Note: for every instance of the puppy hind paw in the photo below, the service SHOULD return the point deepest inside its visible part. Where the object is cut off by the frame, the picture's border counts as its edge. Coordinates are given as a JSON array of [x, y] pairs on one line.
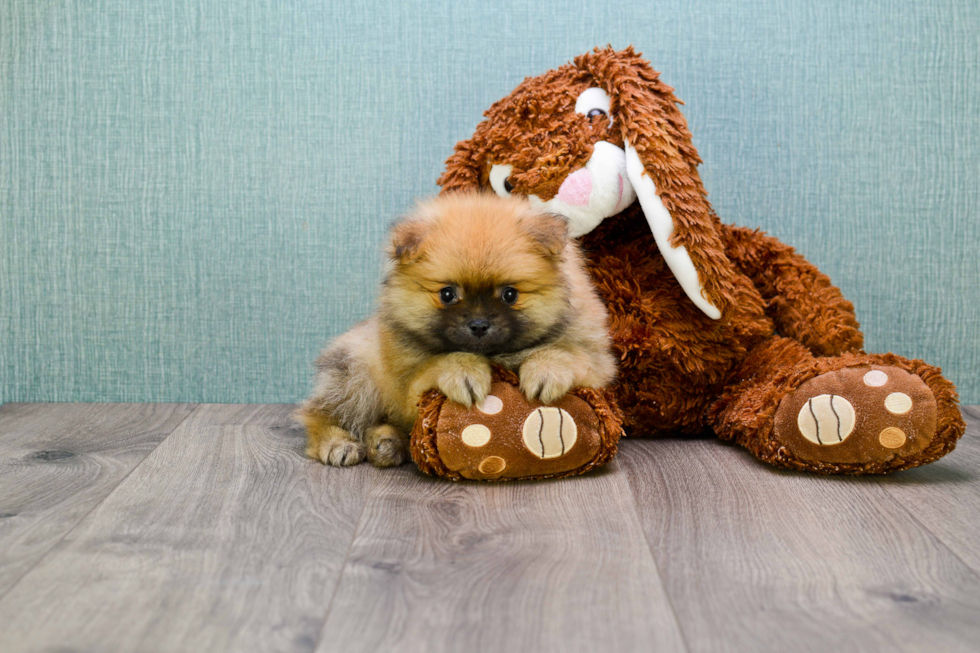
[[388, 452], [339, 453], [386, 447]]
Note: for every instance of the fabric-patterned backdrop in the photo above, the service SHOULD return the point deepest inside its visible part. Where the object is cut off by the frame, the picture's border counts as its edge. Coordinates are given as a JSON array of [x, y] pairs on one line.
[[193, 193]]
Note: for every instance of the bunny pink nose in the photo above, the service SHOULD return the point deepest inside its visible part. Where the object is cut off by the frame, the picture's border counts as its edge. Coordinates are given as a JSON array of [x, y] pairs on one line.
[[576, 188]]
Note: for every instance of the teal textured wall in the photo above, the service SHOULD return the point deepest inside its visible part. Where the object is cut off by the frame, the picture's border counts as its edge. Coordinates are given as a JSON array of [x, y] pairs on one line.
[[193, 192]]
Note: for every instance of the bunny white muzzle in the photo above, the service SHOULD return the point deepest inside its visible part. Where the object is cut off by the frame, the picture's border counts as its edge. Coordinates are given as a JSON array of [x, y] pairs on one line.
[[589, 195]]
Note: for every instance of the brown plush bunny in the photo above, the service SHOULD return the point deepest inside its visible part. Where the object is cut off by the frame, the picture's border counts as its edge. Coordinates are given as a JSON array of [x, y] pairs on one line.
[[716, 326]]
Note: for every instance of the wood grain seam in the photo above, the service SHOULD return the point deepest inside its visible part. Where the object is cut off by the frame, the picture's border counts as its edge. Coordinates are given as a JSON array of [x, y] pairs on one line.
[[54, 545], [973, 413], [653, 559], [343, 566], [938, 538]]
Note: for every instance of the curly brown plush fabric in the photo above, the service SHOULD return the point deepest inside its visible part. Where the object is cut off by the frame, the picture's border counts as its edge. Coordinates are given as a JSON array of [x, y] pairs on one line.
[[782, 321]]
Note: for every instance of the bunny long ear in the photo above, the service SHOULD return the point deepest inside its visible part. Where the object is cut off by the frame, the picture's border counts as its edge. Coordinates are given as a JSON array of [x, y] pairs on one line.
[[661, 164]]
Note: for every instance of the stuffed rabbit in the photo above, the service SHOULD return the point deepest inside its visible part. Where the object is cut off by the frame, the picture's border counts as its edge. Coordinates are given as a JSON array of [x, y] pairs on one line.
[[715, 326]]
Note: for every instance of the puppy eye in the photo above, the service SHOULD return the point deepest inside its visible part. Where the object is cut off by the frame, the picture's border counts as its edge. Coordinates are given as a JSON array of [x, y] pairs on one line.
[[509, 295], [447, 295], [595, 112]]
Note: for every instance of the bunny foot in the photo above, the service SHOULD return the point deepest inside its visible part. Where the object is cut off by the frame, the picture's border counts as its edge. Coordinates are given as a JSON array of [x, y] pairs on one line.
[[863, 414], [507, 436]]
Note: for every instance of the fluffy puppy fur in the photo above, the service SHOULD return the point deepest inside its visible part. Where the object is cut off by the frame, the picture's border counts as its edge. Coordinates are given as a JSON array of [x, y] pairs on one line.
[[472, 279]]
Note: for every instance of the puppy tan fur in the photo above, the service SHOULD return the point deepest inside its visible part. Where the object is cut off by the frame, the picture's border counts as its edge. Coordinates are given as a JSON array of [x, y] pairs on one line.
[[472, 279]]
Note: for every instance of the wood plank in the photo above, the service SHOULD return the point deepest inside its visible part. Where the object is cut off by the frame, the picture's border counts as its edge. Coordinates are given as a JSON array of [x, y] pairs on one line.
[[757, 559], [58, 461], [225, 539], [533, 566], [945, 496]]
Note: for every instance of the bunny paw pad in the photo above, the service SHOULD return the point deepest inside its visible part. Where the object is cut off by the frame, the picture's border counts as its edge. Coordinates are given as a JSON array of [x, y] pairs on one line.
[[857, 415]]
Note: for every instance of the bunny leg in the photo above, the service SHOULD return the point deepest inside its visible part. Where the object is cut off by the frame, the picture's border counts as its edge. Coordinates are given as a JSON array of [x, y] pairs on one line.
[[849, 414], [800, 299]]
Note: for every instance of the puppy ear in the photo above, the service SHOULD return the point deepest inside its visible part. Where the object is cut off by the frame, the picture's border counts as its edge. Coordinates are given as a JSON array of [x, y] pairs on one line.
[[549, 231], [465, 166], [407, 237], [661, 164]]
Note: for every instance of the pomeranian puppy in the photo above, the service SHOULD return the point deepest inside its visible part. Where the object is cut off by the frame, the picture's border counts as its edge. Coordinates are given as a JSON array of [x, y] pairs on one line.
[[472, 278]]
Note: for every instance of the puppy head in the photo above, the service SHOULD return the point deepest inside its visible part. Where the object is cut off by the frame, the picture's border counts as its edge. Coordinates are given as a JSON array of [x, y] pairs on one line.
[[587, 140], [477, 273]]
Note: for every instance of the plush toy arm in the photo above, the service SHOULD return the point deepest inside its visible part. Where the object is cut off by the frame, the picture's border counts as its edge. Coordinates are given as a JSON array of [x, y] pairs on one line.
[[800, 299]]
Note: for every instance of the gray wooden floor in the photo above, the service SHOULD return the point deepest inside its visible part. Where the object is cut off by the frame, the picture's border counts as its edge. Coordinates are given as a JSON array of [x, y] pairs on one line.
[[202, 528]]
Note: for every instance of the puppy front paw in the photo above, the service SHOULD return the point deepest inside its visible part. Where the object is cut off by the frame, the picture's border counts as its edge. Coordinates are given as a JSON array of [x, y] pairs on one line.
[[465, 378], [545, 380]]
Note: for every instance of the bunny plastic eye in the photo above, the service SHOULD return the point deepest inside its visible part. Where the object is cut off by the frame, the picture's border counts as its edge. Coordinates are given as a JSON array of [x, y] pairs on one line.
[[509, 295], [593, 102], [499, 172], [447, 295]]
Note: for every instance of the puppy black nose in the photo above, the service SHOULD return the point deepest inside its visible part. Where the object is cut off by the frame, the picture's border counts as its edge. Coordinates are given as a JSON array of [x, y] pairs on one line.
[[479, 328]]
